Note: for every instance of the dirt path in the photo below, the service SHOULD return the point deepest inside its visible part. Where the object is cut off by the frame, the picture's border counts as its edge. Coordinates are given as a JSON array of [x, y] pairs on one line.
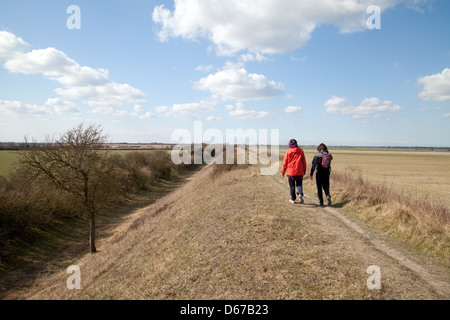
[[436, 277], [236, 236]]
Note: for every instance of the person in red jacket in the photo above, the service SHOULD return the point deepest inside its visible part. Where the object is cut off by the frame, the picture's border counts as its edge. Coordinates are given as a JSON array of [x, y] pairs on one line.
[[294, 165]]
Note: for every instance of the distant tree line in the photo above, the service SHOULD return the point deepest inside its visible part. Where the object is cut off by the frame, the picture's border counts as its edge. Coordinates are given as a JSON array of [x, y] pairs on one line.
[[12, 146]]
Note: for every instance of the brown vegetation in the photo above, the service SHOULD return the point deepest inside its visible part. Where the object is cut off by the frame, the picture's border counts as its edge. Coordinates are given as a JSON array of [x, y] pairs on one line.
[[423, 222], [232, 237], [70, 178], [232, 234]]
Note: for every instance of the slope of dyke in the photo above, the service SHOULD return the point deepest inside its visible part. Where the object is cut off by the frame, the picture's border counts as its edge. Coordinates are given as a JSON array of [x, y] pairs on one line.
[[235, 236]]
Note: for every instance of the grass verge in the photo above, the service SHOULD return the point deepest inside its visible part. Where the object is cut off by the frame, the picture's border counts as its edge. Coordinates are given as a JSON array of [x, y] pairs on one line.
[[422, 222]]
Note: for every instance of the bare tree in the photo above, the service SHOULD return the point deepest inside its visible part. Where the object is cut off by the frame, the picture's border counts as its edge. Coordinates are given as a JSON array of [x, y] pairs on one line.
[[75, 164]]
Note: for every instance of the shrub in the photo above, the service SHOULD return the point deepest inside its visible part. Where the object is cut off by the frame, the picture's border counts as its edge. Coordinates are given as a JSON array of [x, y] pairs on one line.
[[29, 204], [145, 168]]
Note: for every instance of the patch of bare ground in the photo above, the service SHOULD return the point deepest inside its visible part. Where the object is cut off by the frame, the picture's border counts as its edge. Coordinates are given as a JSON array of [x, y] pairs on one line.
[[236, 236]]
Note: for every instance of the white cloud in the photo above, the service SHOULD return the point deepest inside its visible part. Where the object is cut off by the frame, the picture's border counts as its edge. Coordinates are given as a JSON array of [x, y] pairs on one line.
[[116, 112], [234, 82], [186, 110], [447, 115], [240, 112], [62, 106], [261, 26], [137, 108], [253, 57], [292, 109], [108, 94], [369, 107], [10, 45], [147, 115], [79, 82], [436, 87], [207, 68], [17, 108]]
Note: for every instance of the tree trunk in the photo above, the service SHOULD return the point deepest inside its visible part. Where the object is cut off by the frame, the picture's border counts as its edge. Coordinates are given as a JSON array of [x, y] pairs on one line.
[[91, 211], [92, 233]]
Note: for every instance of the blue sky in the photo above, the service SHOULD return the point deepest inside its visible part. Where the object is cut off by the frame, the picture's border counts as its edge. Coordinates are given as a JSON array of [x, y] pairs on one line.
[[311, 69]]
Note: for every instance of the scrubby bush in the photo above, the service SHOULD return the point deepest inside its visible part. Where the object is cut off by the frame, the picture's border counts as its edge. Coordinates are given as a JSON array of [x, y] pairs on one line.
[[145, 168], [28, 207], [29, 204]]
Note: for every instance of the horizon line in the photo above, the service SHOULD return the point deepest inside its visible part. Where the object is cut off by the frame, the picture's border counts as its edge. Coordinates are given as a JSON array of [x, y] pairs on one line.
[[281, 145]]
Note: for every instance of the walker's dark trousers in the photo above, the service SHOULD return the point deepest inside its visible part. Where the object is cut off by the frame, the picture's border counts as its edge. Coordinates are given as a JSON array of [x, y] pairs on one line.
[[293, 182], [323, 182]]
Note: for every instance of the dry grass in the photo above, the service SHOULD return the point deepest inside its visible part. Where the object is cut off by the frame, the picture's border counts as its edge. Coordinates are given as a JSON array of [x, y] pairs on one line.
[[231, 235], [422, 222], [404, 194], [421, 174]]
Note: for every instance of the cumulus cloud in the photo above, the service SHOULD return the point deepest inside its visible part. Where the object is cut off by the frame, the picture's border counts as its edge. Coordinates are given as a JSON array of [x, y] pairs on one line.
[[62, 106], [79, 82], [261, 26], [207, 68], [436, 87], [186, 110], [147, 115], [292, 109], [10, 45], [369, 107], [239, 111], [17, 108], [93, 86], [117, 112], [253, 57], [234, 82]]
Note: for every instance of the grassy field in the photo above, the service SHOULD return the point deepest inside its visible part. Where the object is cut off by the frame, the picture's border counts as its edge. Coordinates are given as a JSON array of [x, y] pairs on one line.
[[7, 159], [423, 174], [420, 173]]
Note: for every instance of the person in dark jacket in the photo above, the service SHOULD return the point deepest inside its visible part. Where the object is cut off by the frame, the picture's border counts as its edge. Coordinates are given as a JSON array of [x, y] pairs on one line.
[[322, 173], [294, 165]]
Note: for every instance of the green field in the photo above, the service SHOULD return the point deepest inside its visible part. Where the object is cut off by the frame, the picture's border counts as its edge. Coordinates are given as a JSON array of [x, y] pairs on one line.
[[7, 159]]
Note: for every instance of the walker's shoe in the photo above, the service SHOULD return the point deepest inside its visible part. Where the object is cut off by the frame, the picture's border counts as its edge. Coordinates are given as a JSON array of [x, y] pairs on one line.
[[321, 204], [329, 200], [301, 200], [291, 201]]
